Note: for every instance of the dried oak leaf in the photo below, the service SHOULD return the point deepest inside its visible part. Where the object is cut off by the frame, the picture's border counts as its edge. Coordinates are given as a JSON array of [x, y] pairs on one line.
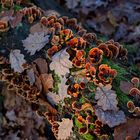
[[31, 76], [35, 42], [61, 63], [55, 98], [125, 86], [42, 65], [38, 28], [14, 21], [111, 118], [130, 128], [106, 98], [47, 81], [64, 129], [17, 60]]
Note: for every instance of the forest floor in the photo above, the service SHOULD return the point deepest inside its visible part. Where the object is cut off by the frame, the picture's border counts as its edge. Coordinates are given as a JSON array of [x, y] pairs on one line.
[[57, 81]]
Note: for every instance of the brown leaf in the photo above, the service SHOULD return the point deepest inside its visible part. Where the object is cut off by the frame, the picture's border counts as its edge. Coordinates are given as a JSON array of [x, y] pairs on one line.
[[16, 19], [42, 65], [47, 81], [125, 86], [38, 28], [130, 128]]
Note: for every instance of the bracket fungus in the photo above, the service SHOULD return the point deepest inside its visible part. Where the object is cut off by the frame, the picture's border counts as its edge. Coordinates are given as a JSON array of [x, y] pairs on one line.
[[66, 63]]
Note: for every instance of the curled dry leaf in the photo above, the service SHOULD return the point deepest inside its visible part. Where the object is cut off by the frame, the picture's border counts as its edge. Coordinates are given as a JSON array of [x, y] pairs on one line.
[[17, 60], [126, 86], [41, 65], [42, 77], [14, 21], [130, 128], [31, 76], [38, 28], [47, 81], [64, 129], [35, 42], [111, 118], [61, 63], [55, 98], [106, 98]]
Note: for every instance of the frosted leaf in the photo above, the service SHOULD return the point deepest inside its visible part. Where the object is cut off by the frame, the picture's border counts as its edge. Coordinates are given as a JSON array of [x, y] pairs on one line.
[[17, 60], [106, 98], [62, 92], [61, 63], [112, 118], [35, 42]]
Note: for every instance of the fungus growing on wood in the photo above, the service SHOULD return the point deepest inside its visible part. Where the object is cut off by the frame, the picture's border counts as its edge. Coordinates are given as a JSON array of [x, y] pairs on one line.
[[32, 13], [113, 50], [74, 90], [4, 27], [135, 81], [135, 92], [106, 74], [79, 60], [130, 106], [95, 55], [7, 3], [76, 43]]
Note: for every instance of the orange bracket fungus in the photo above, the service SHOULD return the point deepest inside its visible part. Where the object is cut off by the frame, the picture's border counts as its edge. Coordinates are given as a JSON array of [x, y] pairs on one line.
[[71, 75]]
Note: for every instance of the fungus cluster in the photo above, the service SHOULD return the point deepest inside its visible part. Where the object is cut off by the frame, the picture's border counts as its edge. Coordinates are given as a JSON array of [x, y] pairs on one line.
[[86, 53], [135, 93], [32, 13], [7, 3]]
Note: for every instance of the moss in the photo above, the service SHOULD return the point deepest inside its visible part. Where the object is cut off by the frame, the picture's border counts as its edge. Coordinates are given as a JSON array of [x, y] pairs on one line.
[[84, 136], [1, 98], [91, 86], [134, 70], [88, 137], [82, 100], [77, 123], [91, 126], [131, 48], [57, 81], [17, 7], [121, 72]]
